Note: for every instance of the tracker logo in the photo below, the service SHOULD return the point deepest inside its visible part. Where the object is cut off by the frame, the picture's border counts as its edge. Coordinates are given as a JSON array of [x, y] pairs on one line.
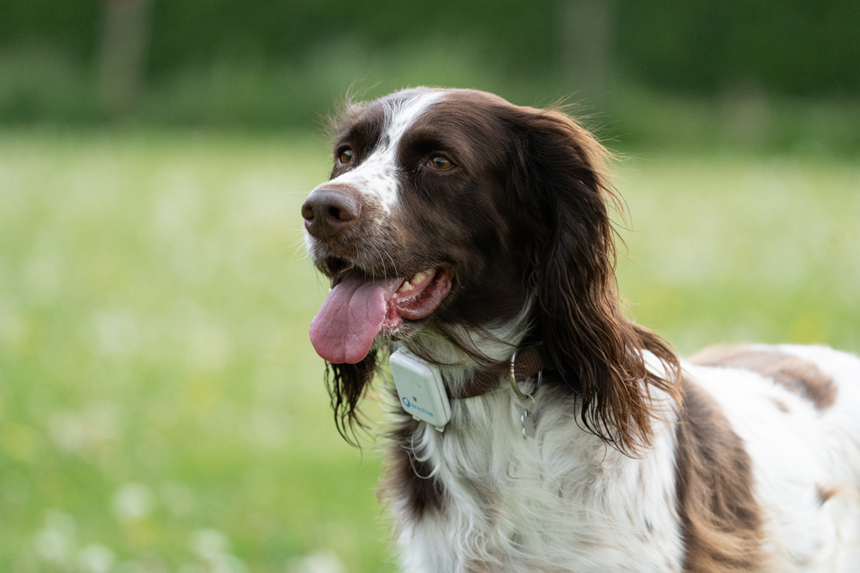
[[409, 405]]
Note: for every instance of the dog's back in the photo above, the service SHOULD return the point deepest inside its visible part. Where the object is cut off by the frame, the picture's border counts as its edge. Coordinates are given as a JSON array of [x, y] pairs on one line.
[[796, 410]]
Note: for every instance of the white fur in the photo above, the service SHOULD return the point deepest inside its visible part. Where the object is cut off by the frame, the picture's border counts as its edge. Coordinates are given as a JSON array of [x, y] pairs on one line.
[[564, 501], [794, 453], [376, 177]]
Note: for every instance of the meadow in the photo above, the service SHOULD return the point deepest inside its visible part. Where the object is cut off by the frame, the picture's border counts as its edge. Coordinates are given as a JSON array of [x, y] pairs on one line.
[[161, 407]]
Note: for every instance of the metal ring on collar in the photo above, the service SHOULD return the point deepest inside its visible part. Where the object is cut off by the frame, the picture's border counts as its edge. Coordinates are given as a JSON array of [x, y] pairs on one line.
[[516, 388], [514, 385]]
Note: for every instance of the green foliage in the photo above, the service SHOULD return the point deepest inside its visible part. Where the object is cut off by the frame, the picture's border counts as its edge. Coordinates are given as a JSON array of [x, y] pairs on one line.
[[772, 75], [38, 83], [43, 86], [71, 27], [789, 47]]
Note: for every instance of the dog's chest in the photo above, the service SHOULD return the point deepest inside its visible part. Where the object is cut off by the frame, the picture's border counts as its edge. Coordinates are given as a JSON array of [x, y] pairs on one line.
[[561, 501]]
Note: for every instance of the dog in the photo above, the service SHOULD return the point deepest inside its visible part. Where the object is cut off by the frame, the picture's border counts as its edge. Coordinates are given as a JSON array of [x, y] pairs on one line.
[[473, 236]]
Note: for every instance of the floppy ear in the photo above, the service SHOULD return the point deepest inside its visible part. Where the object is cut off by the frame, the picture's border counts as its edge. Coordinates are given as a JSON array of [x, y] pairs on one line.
[[346, 385], [559, 200]]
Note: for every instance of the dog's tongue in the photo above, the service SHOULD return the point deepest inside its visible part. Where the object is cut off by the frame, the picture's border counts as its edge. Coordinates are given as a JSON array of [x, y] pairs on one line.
[[350, 318]]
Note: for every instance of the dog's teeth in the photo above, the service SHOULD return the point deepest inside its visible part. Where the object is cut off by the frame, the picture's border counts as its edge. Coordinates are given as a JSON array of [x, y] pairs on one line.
[[412, 281]]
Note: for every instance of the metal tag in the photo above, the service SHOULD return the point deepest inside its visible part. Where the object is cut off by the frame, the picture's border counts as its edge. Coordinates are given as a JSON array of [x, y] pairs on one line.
[[528, 425]]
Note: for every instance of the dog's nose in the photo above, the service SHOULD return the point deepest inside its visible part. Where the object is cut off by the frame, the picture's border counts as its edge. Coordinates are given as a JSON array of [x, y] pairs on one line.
[[330, 212]]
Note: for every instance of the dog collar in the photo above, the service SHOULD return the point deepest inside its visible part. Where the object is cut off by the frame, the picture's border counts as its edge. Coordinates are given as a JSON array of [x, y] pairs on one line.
[[525, 363], [424, 395]]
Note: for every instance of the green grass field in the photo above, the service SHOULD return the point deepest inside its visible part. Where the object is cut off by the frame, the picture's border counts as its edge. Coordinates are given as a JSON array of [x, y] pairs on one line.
[[161, 407]]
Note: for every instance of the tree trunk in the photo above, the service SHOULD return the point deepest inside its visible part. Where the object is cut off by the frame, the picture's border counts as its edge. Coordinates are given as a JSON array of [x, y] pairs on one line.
[[587, 30], [122, 61]]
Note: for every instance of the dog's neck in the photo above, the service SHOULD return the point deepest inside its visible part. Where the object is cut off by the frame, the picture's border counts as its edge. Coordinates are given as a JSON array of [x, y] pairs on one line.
[[480, 369]]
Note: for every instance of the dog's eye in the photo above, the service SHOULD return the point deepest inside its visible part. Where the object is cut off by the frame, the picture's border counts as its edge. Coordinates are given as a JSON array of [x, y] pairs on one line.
[[345, 156], [440, 164]]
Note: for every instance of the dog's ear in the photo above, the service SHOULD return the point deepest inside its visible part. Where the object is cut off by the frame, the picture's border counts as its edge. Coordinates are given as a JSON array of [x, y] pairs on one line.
[[559, 196], [346, 385]]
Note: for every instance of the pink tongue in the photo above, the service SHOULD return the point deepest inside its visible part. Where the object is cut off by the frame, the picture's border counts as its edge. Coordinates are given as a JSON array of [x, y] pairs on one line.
[[350, 318]]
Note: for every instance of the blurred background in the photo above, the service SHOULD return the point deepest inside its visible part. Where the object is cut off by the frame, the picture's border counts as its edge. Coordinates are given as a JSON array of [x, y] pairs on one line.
[[161, 408]]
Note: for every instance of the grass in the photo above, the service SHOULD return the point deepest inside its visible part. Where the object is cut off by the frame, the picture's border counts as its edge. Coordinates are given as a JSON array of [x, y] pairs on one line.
[[161, 408], [157, 380], [731, 248]]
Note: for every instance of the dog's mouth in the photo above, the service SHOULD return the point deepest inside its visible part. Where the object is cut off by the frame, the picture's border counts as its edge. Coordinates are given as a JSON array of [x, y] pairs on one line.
[[361, 306]]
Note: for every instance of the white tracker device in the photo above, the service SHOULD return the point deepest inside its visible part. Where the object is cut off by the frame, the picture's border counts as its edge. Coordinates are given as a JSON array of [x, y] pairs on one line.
[[421, 390]]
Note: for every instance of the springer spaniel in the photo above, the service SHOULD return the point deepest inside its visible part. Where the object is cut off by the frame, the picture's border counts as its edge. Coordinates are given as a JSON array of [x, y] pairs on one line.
[[472, 236]]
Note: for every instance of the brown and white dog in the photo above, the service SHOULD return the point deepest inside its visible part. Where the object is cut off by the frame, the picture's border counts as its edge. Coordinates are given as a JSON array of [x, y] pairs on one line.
[[465, 228]]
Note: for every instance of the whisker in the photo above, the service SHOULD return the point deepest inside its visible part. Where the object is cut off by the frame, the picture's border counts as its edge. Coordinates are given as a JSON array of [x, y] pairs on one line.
[[295, 252], [393, 264], [296, 242], [381, 259]]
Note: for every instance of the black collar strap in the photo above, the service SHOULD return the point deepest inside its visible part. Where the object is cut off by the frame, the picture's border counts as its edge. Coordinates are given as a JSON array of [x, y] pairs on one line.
[[529, 362]]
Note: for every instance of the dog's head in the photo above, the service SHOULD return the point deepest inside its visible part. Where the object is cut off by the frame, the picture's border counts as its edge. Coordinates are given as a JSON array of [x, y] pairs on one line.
[[453, 211]]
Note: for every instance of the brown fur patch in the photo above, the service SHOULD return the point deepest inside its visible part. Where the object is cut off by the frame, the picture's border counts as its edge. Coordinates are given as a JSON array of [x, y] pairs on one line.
[[408, 478], [795, 374], [721, 522]]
